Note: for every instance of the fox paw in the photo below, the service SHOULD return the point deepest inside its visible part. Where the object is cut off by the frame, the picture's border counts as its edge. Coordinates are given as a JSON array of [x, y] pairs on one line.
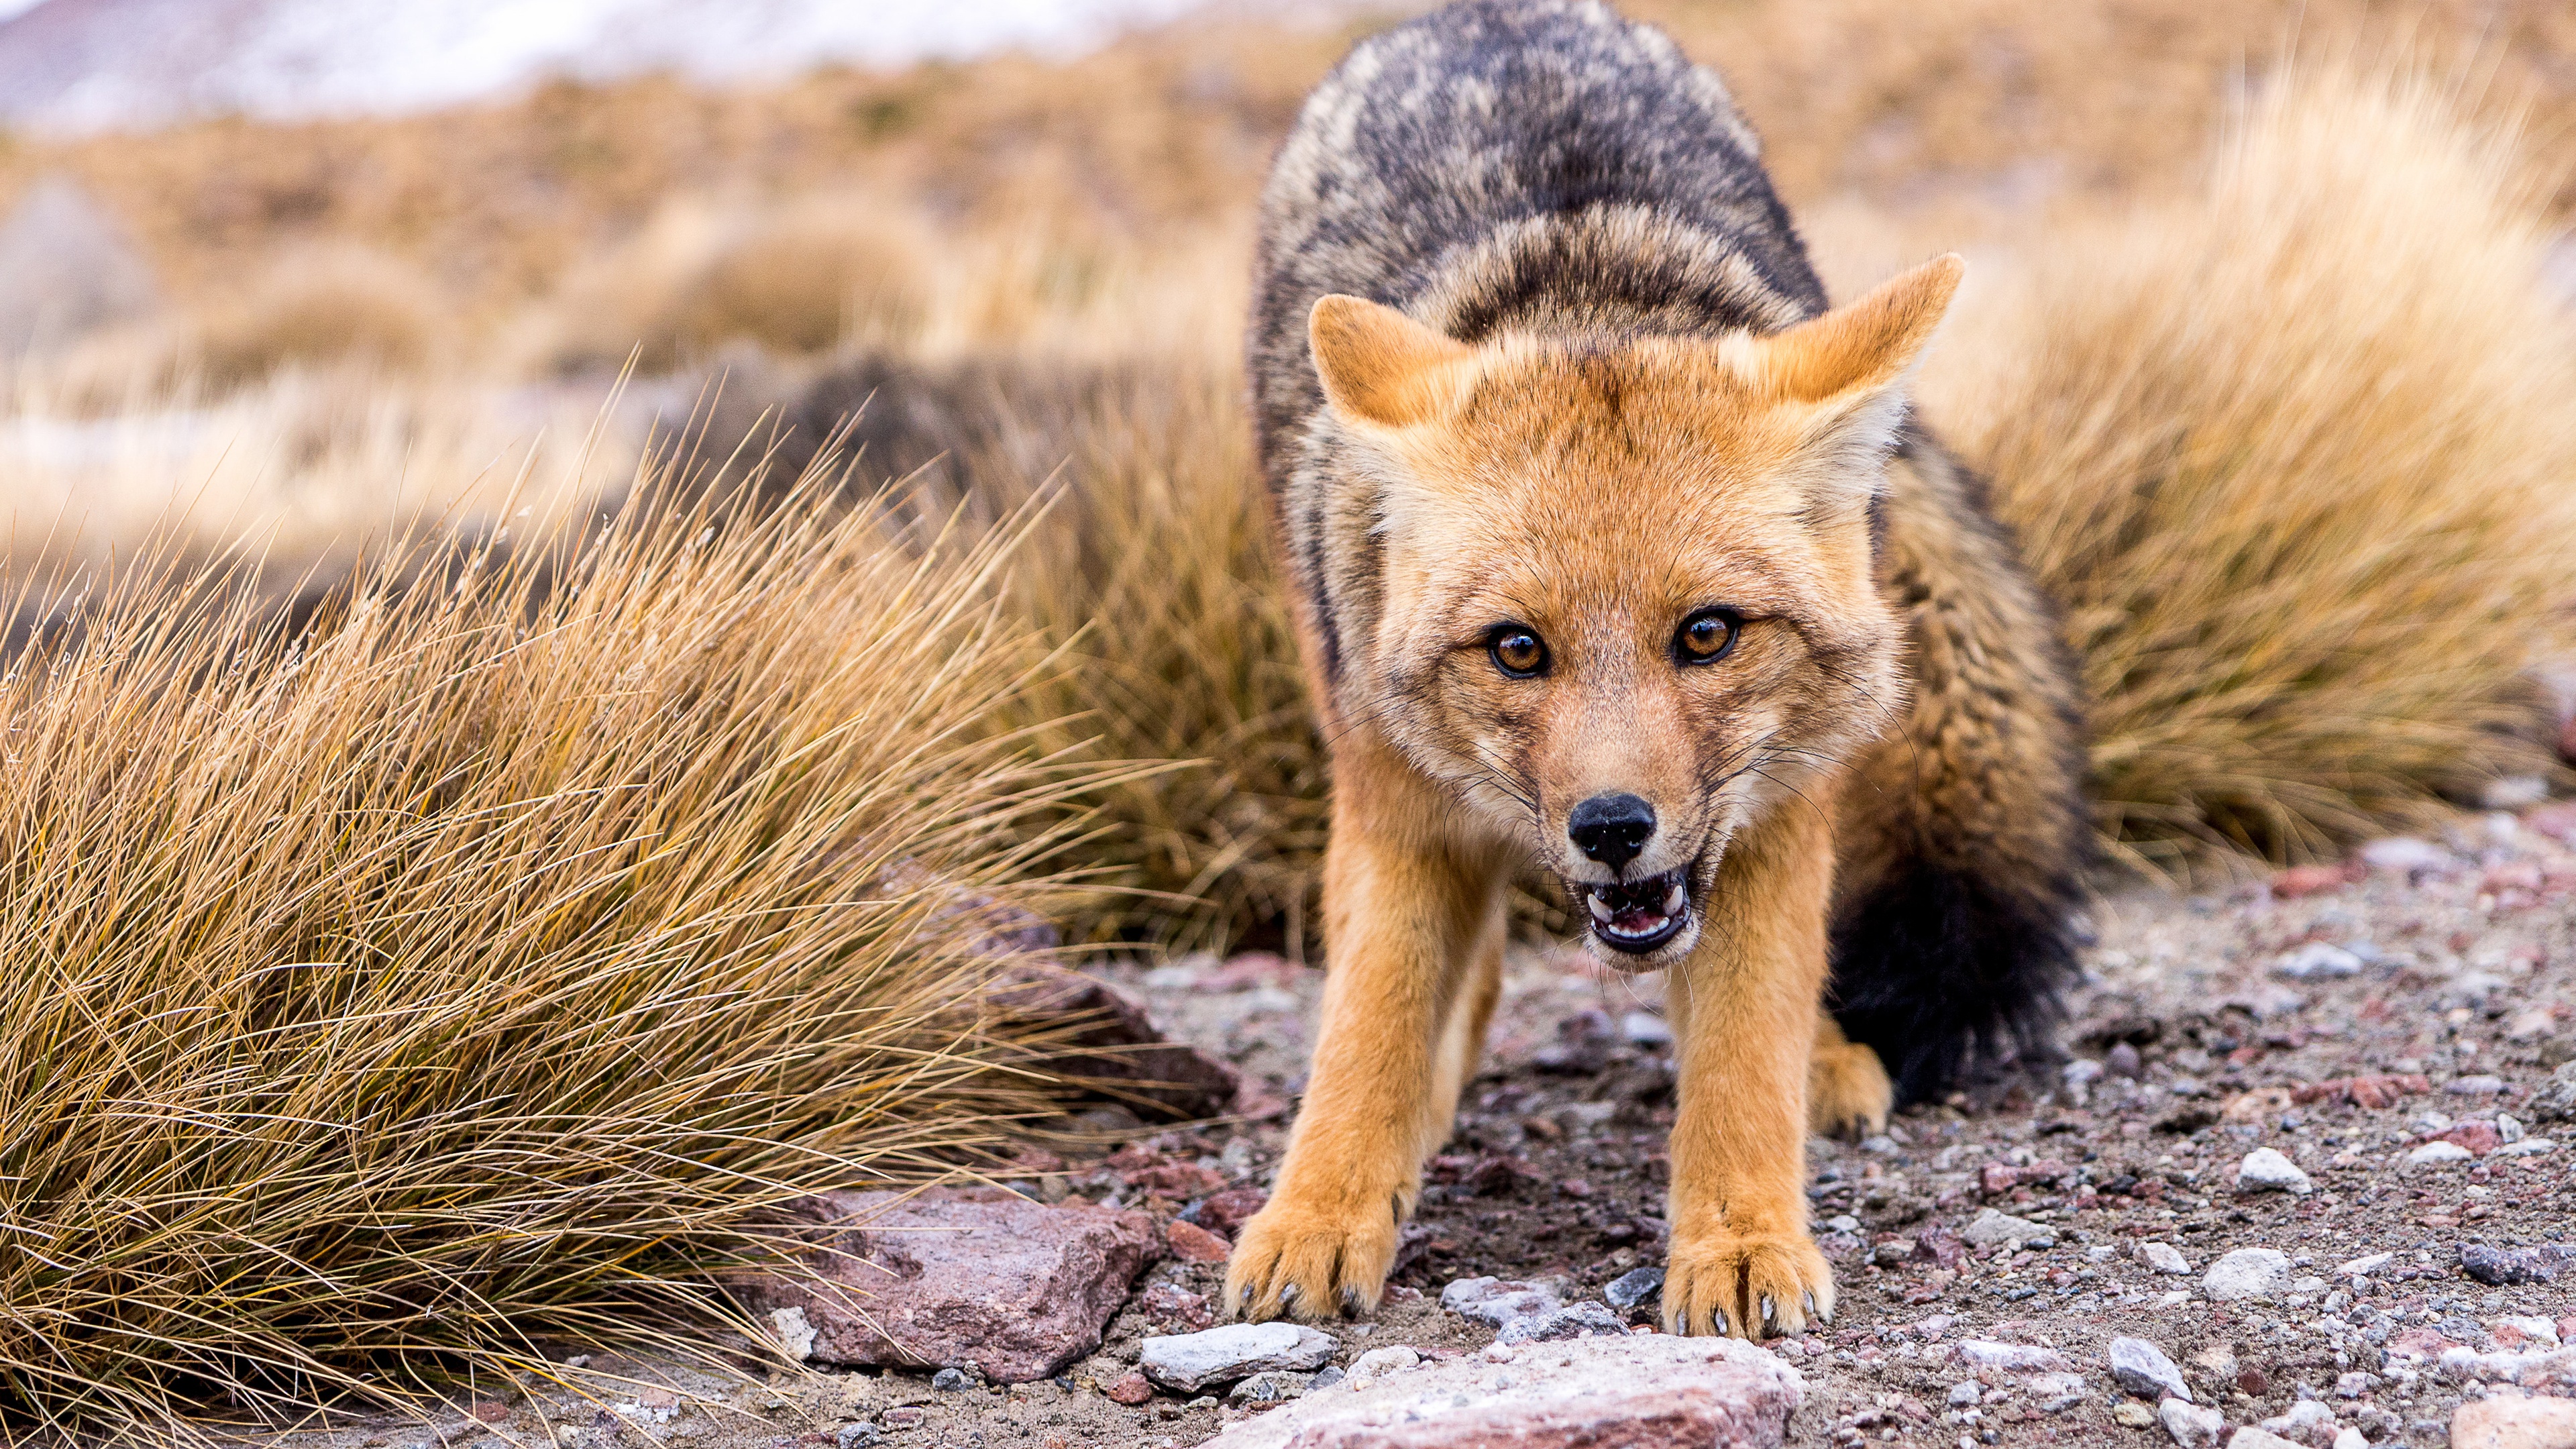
[[1848, 1093], [1303, 1261], [1746, 1286]]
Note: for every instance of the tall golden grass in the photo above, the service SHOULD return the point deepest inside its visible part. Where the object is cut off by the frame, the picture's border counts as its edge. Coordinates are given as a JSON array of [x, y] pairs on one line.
[[488, 960], [2299, 458]]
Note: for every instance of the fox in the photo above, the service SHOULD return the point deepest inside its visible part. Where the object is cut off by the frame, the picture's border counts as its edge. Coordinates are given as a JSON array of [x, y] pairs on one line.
[[1618, 555]]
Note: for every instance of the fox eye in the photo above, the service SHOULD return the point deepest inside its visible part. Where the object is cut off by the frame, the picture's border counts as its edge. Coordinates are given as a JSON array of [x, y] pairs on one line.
[[1707, 636], [1517, 652]]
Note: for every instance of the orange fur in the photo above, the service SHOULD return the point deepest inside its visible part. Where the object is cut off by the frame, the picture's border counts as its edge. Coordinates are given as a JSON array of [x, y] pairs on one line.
[[1598, 492]]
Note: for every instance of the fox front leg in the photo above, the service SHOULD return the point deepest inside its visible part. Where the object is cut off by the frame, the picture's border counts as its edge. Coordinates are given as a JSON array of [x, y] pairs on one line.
[[1744, 1016], [1406, 914]]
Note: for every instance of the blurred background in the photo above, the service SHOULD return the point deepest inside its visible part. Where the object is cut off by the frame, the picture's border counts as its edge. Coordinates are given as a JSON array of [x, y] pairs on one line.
[[286, 274]]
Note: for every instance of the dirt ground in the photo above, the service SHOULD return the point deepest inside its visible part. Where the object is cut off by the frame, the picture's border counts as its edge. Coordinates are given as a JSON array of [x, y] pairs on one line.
[[2205, 1028]]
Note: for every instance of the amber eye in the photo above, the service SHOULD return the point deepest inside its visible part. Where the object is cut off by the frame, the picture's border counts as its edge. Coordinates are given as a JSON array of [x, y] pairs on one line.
[[1517, 652], [1705, 637]]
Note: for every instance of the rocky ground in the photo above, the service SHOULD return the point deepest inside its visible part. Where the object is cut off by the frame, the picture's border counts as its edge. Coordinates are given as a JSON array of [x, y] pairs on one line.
[[2312, 1145]]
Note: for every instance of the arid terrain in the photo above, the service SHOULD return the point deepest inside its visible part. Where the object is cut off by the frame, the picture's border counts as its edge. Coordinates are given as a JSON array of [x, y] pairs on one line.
[[2344, 1017], [467, 877]]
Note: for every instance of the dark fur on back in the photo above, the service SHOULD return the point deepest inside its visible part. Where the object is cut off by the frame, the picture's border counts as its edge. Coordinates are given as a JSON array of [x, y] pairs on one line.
[[1545, 166]]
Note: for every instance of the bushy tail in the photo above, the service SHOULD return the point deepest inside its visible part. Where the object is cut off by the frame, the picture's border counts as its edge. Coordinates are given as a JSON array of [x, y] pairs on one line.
[[2298, 460]]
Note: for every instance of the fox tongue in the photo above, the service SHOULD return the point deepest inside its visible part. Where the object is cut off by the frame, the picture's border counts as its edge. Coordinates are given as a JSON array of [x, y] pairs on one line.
[[1638, 920]]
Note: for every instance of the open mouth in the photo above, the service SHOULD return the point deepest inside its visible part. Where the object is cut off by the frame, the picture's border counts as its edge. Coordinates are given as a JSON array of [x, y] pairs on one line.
[[1639, 915]]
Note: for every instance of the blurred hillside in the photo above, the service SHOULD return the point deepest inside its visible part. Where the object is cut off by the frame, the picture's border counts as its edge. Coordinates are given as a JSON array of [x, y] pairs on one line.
[[1979, 108]]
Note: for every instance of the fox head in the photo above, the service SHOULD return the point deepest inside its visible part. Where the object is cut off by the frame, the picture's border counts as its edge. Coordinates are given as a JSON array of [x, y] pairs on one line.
[[1626, 602]]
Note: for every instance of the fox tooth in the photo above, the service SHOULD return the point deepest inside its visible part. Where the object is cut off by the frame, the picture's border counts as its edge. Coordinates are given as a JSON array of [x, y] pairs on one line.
[[1674, 899], [1600, 908]]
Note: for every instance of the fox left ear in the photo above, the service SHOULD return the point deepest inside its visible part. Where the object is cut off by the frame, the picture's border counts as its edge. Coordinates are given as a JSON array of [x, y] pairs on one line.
[[1847, 369], [1379, 365]]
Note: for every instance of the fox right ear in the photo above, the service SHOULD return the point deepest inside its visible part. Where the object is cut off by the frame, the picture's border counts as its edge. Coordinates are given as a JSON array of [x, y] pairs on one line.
[[1379, 365]]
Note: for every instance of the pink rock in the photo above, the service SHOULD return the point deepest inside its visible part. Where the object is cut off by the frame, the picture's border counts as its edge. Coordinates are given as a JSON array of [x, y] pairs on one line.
[[1649, 1391], [1176, 1309], [2515, 1423], [1116, 1045], [1194, 1244], [1228, 1211], [957, 1277], [2309, 880], [1131, 1388], [2480, 1138]]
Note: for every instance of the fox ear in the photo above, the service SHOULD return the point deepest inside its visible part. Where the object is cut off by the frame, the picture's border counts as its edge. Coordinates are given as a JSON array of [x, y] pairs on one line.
[[1377, 364], [1864, 346], [1844, 372]]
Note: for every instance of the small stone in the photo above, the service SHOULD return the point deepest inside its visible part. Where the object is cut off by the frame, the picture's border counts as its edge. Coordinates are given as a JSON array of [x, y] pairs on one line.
[[1324, 1378], [2192, 1426], [1497, 1301], [2508, 1129], [2480, 1138], [1644, 1028], [1579, 1320], [2011, 1358], [2252, 1438], [2143, 1369], [1991, 1229], [2349, 1437], [1194, 1244], [1965, 1393], [2515, 1423], [1377, 1363], [1131, 1389], [2248, 1273], [1274, 1386], [2528, 1147], [2307, 1422], [2477, 1086], [1189, 1362], [2122, 1061], [2133, 1415], [2367, 1263], [2503, 1267], [2164, 1258], [2403, 855], [2266, 1170], [2435, 1153], [2556, 1099], [2513, 792], [2056, 1393], [1226, 1212], [951, 1380], [1633, 1287], [795, 1334], [857, 1436], [2318, 960]]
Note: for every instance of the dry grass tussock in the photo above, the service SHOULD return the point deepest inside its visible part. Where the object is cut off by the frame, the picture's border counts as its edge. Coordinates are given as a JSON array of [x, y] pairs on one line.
[[322, 305], [490, 960], [2296, 456], [797, 280], [1154, 572]]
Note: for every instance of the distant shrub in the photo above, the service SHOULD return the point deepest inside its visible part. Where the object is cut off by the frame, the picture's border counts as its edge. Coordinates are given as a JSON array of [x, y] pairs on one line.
[[323, 305]]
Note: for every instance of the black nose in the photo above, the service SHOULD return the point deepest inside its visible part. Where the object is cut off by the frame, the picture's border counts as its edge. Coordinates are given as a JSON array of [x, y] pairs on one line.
[[1611, 828]]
